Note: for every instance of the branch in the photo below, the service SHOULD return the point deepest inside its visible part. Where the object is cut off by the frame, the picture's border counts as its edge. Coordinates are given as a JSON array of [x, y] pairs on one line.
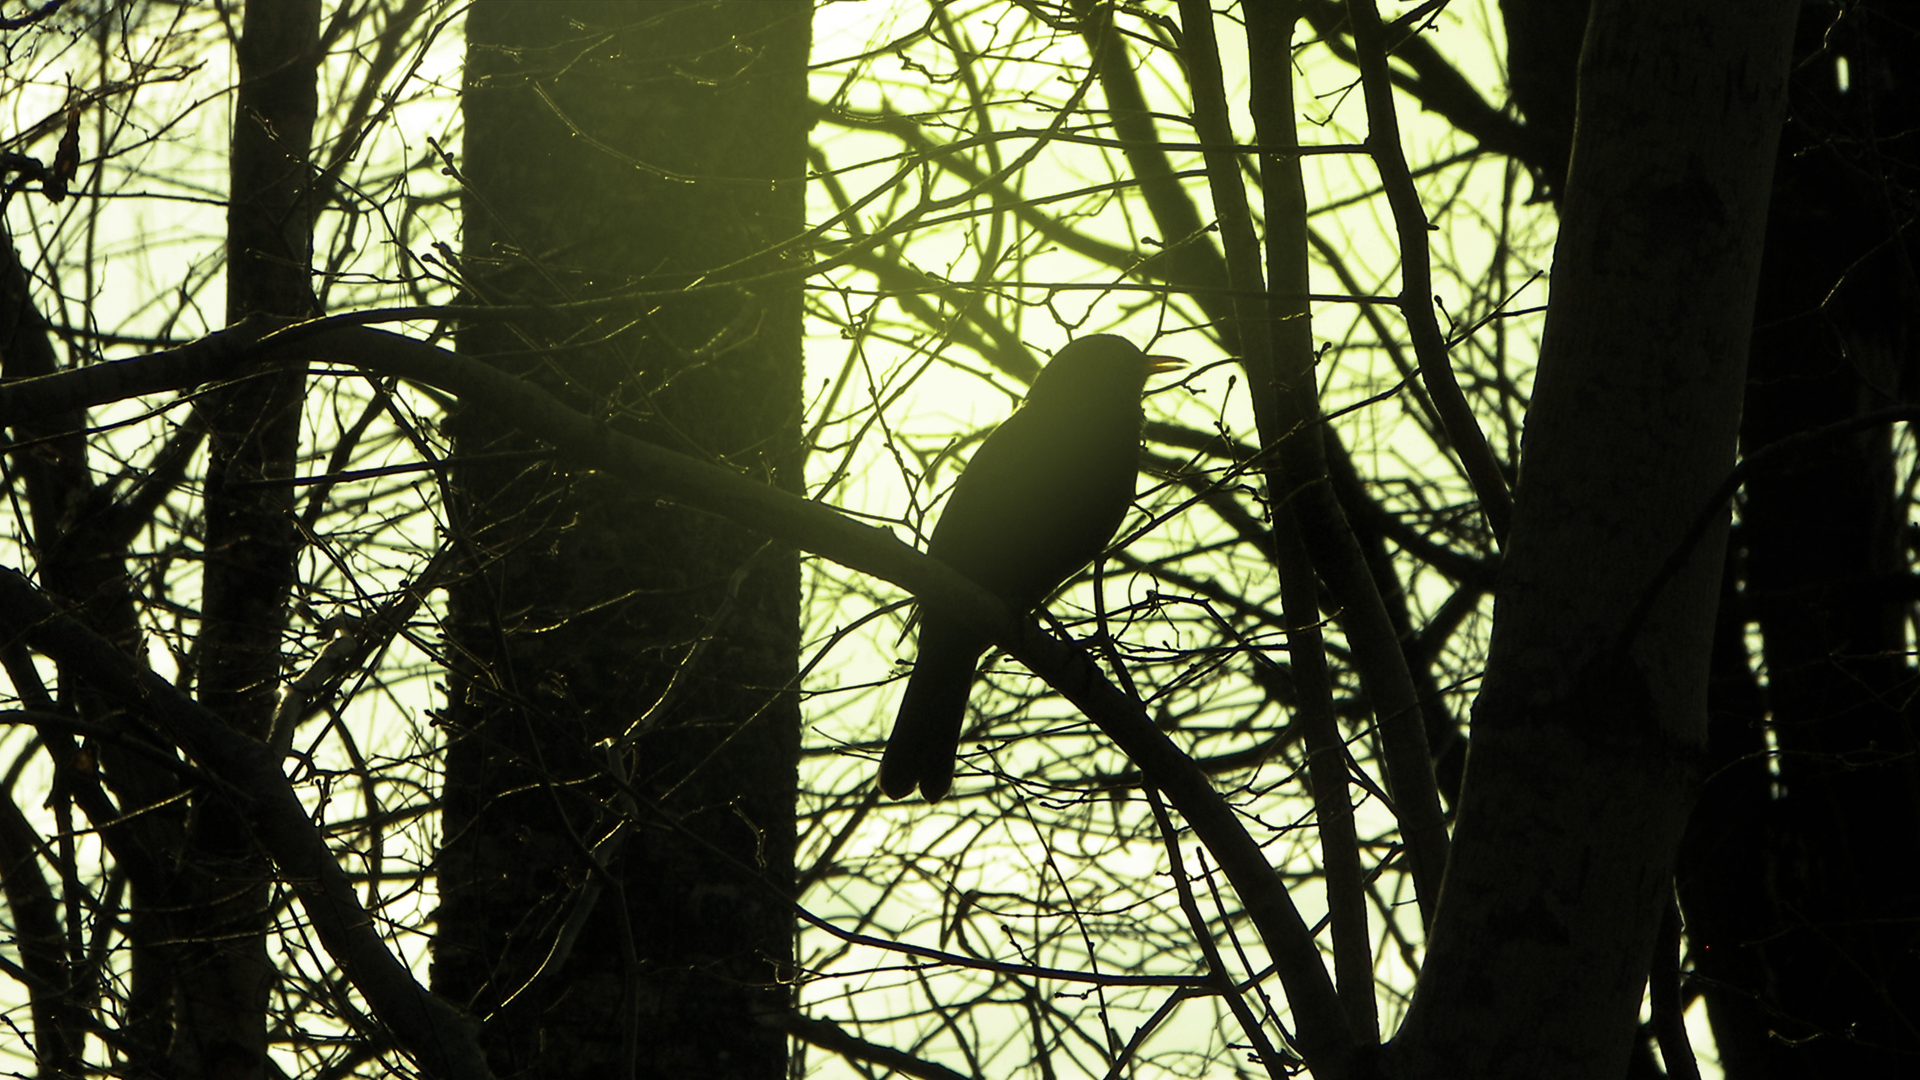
[[1416, 275], [877, 552], [716, 490], [21, 22], [828, 1035], [439, 1037], [1311, 509], [1276, 350]]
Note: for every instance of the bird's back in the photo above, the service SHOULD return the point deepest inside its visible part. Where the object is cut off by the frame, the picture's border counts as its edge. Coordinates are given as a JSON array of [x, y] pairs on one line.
[[1041, 497]]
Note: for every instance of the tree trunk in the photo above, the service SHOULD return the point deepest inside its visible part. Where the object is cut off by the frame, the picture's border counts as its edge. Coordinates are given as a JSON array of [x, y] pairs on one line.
[[220, 901], [1592, 715], [623, 724], [1792, 907]]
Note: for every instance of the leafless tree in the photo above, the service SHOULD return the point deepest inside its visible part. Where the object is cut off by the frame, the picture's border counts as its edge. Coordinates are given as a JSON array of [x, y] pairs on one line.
[[409, 655]]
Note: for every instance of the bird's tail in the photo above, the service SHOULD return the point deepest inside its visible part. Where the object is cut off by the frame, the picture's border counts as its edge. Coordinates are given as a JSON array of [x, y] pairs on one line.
[[926, 736]]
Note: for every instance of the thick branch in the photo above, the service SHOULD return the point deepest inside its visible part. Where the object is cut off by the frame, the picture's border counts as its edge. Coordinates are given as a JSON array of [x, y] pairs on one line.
[[1303, 470]]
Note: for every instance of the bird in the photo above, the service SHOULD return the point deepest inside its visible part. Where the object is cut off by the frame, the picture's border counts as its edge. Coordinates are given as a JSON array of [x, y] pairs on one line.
[[1039, 500]]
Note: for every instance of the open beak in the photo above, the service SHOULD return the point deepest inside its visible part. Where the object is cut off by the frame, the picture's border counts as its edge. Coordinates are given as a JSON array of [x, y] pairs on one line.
[[1160, 365]]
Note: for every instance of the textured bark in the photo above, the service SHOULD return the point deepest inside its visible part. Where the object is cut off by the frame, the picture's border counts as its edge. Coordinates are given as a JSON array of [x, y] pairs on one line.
[[1794, 911], [1593, 710], [623, 724]]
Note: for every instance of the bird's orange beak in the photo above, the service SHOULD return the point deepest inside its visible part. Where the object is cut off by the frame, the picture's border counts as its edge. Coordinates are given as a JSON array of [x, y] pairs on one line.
[[1160, 365]]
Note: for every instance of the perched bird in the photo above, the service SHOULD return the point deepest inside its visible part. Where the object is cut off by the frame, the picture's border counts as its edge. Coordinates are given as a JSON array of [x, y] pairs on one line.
[[1040, 499]]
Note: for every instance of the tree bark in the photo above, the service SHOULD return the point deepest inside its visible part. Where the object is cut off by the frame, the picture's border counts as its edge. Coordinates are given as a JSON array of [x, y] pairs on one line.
[[623, 723], [220, 899], [1593, 712]]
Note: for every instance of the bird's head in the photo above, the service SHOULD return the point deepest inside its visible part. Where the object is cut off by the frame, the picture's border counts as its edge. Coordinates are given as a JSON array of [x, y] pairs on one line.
[[1098, 366]]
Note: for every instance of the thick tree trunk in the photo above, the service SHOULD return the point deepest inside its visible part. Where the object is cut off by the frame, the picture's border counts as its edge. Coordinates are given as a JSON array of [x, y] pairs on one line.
[[1792, 907], [624, 726], [1593, 711]]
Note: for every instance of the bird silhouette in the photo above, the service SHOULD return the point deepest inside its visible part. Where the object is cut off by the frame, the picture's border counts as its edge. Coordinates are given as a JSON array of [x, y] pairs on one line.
[[1038, 501]]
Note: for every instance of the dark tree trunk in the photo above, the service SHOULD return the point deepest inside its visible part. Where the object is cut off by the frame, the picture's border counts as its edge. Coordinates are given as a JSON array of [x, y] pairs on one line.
[[624, 726], [220, 899], [1816, 972], [1799, 893], [1592, 715]]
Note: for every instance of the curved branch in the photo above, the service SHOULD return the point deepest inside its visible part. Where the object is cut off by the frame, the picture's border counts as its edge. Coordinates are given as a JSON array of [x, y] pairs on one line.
[[439, 1036], [1416, 275], [1322, 1030]]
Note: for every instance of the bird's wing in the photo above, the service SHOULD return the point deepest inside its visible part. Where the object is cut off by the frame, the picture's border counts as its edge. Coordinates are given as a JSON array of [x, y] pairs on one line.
[[1038, 501]]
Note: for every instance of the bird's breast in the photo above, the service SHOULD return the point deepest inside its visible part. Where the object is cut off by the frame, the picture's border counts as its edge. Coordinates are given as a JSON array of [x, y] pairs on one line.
[[1038, 501]]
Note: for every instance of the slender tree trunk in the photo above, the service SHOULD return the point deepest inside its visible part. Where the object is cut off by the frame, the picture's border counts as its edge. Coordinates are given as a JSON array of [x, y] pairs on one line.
[[221, 898], [617, 864], [1593, 712], [92, 578]]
